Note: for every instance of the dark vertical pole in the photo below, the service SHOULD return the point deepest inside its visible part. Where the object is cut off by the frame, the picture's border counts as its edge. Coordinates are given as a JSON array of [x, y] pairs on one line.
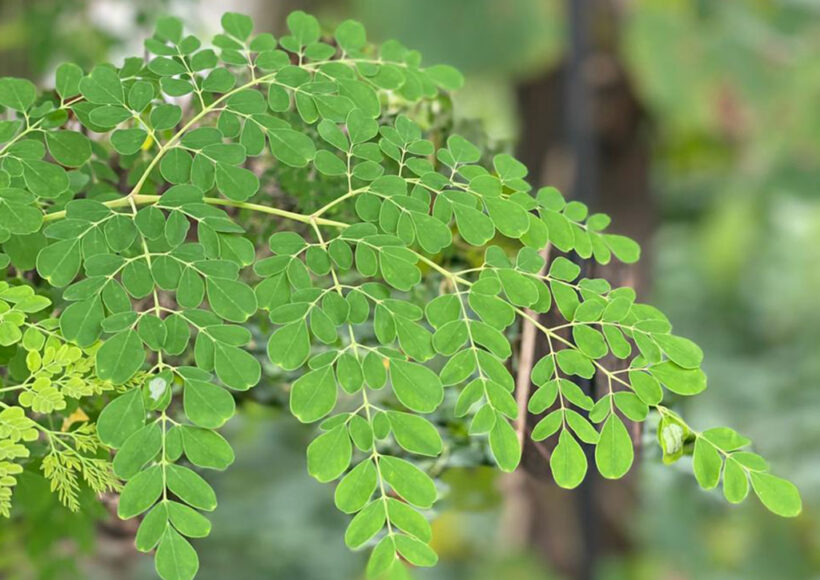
[[580, 132], [581, 139]]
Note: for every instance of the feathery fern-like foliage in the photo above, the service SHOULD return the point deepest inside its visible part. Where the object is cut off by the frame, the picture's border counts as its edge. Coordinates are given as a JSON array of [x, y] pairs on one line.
[[129, 187]]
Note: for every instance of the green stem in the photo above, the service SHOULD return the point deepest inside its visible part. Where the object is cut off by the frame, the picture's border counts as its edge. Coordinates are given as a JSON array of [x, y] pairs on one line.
[[142, 199], [305, 219], [338, 200]]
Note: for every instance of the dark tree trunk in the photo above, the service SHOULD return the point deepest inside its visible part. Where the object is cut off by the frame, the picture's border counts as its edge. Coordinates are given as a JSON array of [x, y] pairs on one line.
[[585, 133]]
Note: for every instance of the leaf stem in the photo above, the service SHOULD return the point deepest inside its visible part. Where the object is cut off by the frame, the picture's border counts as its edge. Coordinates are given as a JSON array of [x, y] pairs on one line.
[[142, 199]]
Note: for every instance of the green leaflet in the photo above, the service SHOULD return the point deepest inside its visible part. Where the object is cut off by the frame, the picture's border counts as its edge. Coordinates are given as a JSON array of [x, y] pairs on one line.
[[190, 487], [17, 94], [121, 418], [235, 367], [235, 183], [153, 232], [176, 166], [291, 147], [120, 357], [735, 482], [289, 346], [44, 179], [137, 450], [356, 488], [67, 80], [568, 462], [707, 464], [140, 493], [231, 300], [474, 226], [329, 454], [82, 321], [446, 77], [366, 524], [415, 434], [416, 552], [206, 404], [679, 380], [60, 262], [151, 528], [68, 147], [417, 387], [206, 448], [777, 494], [176, 558], [505, 446], [187, 520], [17, 211], [102, 87], [614, 453], [408, 481], [313, 395]]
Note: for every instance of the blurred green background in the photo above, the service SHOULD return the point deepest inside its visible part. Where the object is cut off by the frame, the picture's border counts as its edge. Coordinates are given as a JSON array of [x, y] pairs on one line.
[[705, 127]]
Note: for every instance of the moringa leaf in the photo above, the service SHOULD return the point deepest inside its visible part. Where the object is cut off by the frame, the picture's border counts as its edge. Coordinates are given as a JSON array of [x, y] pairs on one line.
[[155, 193]]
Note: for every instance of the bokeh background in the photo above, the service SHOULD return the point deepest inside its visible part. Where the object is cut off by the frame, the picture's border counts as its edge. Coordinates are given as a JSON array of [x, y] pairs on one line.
[[696, 124]]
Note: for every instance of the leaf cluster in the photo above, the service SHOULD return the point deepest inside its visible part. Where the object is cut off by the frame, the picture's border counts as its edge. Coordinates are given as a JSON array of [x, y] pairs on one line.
[[129, 188]]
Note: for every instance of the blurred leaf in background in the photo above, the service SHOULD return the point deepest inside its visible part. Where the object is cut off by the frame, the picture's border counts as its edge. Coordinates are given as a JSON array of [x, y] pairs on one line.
[[36, 35], [491, 41], [732, 88]]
